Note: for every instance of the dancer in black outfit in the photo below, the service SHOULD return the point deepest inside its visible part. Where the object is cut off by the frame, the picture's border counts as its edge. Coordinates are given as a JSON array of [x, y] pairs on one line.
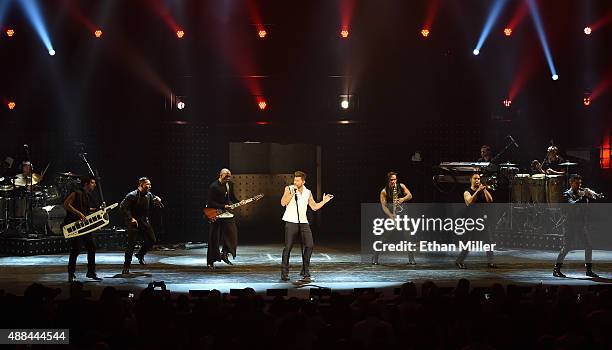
[[78, 205], [137, 206]]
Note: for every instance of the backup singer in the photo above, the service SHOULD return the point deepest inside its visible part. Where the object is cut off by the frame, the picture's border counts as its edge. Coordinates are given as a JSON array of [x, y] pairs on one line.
[[137, 206], [576, 197], [296, 199], [221, 196], [79, 204], [391, 198], [476, 193]]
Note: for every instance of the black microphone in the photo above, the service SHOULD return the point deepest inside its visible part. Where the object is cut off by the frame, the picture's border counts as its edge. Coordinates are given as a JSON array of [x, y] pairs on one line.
[[512, 139]]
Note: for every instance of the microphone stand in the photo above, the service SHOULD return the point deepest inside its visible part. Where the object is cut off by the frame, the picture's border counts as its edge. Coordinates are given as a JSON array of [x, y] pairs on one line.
[[83, 156], [28, 181], [497, 156]]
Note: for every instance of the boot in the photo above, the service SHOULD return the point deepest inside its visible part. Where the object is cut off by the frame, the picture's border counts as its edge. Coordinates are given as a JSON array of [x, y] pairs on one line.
[[140, 258], [93, 276], [557, 270], [71, 277], [375, 259], [589, 270], [225, 259], [126, 270]]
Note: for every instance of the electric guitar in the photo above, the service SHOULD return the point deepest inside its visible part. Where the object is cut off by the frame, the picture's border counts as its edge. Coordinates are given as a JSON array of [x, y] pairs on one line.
[[213, 214]]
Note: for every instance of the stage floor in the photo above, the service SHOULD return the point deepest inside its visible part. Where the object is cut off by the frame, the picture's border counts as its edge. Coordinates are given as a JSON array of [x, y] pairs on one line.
[[258, 267]]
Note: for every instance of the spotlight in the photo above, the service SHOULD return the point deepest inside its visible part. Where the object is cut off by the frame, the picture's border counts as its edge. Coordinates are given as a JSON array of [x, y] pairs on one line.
[[180, 105], [262, 122], [507, 31], [11, 105], [476, 52], [344, 104], [98, 33], [262, 104], [425, 33], [587, 30], [507, 102], [344, 33], [52, 52], [10, 32], [262, 33], [555, 77], [180, 34]]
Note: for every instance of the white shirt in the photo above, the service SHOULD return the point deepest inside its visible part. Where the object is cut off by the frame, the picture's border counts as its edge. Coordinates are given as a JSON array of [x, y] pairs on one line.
[[292, 209]]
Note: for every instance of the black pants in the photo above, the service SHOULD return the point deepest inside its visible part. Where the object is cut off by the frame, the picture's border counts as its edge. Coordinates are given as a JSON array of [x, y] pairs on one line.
[[225, 232], [90, 245], [292, 231], [145, 229], [388, 236], [570, 234]]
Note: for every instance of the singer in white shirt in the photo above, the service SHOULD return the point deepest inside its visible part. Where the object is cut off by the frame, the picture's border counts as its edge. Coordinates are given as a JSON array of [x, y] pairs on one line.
[[296, 199]]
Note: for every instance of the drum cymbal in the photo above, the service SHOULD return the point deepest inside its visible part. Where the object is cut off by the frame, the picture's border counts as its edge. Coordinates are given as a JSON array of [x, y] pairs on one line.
[[22, 181], [507, 165], [69, 174], [568, 164]]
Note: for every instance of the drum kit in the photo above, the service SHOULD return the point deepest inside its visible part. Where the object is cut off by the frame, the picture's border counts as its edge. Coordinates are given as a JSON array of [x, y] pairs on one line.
[[29, 207]]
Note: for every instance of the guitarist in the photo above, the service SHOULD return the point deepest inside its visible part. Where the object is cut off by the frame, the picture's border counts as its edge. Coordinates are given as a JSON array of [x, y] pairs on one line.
[[78, 205], [137, 207], [221, 196]]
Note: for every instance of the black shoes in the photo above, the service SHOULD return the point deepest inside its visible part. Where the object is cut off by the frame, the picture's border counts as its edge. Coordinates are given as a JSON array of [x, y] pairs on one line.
[[210, 266], [557, 271], [460, 266], [140, 259], [93, 276], [589, 270], [225, 259], [71, 277], [491, 266], [284, 278], [125, 271], [306, 279], [374, 259], [411, 262]]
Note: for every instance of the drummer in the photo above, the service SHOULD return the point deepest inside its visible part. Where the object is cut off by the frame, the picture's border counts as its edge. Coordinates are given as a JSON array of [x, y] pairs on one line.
[[552, 163], [26, 178]]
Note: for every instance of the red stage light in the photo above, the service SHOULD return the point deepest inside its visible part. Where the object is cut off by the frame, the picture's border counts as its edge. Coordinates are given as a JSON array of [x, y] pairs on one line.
[[507, 31], [586, 101], [262, 104], [587, 30], [10, 32], [98, 33], [11, 105], [262, 33], [425, 33], [180, 34], [262, 122], [507, 102], [344, 33]]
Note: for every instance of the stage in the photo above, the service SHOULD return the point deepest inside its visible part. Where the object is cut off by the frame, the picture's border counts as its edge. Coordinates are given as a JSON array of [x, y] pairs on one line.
[[335, 267]]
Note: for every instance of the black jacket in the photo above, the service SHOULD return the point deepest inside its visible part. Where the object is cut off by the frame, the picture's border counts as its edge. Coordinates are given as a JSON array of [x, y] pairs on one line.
[[136, 205], [218, 195]]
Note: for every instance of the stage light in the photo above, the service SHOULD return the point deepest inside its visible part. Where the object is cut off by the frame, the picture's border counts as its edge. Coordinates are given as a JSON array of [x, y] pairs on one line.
[[586, 101], [98, 33], [507, 31], [537, 21], [344, 33], [180, 105], [262, 104], [344, 104], [10, 32], [587, 30], [555, 77], [11, 105], [262, 33], [476, 52], [180, 34], [261, 122], [507, 102], [425, 33], [34, 15], [494, 12]]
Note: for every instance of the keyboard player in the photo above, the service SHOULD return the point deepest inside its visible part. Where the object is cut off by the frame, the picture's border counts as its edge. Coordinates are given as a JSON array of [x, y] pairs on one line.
[[79, 204]]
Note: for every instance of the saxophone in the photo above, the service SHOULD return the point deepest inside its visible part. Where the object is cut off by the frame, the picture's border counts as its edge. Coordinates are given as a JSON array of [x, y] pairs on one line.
[[397, 208]]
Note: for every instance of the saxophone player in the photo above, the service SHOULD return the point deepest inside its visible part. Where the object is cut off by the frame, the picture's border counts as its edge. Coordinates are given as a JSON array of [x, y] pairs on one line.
[[391, 198]]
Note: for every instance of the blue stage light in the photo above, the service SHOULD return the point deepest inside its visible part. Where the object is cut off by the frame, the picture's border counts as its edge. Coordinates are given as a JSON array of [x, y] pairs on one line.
[[537, 21], [32, 11], [491, 18], [476, 52]]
